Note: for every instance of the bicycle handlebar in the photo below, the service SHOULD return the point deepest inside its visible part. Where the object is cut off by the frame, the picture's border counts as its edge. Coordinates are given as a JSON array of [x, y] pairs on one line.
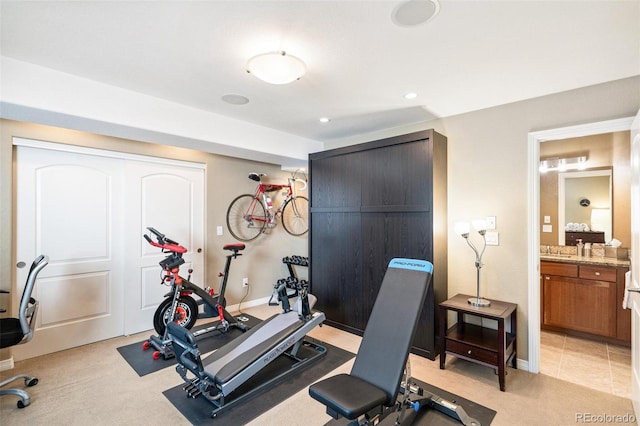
[[166, 244], [304, 183]]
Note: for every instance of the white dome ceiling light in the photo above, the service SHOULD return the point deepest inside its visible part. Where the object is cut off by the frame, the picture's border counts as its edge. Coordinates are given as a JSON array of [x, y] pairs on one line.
[[276, 67]]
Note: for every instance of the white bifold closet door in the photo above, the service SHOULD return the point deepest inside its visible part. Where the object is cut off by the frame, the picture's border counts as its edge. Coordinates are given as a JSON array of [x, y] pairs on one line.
[[87, 210]]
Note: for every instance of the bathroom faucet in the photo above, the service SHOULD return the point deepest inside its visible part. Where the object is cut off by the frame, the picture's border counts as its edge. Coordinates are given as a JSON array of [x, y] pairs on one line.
[[548, 249]]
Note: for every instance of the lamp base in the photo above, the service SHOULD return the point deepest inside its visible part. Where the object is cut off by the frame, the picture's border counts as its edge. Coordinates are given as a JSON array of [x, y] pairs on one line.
[[479, 302]]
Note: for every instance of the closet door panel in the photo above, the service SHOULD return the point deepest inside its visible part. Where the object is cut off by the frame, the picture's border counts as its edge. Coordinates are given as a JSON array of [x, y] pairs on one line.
[[395, 234], [336, 269], [397, 175], [336, 182], [389, 235]]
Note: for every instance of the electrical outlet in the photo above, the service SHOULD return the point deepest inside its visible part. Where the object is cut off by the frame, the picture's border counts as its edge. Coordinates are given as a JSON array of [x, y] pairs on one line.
[[245, 282]]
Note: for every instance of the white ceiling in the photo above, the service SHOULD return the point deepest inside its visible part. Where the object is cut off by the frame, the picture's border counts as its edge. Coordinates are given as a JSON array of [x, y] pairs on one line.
[[472, 55]]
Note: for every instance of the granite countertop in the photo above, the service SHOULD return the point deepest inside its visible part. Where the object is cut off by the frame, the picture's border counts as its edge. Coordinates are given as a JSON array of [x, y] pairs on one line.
[[592, 260]]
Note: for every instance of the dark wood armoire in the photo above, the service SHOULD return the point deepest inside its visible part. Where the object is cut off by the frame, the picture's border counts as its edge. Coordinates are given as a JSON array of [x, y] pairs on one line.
[[370, 203]]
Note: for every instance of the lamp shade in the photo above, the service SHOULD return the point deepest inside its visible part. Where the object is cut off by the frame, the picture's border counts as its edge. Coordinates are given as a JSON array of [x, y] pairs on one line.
[[462, 228], [480, 225], [276, 67]]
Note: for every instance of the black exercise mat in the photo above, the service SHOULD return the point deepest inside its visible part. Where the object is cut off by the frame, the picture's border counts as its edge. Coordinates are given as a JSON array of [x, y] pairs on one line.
[[432, 417], [197, 410], [143, 363]]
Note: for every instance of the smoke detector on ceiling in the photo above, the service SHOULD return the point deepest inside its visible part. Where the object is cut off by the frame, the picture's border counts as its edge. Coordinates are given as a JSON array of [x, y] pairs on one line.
[[414, 12]]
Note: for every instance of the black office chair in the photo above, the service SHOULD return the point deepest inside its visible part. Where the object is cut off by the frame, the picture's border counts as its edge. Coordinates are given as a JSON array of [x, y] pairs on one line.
[[15, 331]]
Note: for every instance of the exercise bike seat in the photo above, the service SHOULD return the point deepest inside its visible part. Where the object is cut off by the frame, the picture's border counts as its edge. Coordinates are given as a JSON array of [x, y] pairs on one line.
[[236, 247]]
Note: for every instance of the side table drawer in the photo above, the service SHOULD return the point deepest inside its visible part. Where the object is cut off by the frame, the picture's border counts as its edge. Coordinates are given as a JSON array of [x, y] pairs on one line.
[[473, 352]]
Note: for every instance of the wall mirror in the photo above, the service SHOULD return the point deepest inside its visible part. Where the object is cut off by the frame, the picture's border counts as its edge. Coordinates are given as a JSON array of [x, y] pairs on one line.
[[584, 198]]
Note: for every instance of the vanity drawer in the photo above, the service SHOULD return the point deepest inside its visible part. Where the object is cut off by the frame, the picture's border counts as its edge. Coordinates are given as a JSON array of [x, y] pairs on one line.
[[562, 269], [600, 273]]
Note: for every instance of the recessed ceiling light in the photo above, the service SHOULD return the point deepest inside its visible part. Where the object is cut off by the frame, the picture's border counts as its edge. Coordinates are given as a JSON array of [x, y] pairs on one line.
[[325, 120], [411, 95], [414, 12], [235, 99]]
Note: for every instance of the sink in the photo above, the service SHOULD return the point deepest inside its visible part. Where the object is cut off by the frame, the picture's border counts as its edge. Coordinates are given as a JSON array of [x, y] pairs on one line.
[[566, 256]]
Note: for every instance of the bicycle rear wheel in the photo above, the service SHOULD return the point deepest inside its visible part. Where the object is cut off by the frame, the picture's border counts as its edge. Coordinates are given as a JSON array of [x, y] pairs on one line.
[[295, 216], [246, 218]]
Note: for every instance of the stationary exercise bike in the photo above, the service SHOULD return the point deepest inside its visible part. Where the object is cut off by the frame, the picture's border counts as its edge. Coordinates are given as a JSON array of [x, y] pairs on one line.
[[179, 306]]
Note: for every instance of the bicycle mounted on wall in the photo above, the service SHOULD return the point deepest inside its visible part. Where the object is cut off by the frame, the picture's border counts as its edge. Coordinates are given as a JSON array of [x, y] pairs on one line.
[[248, 215], [179, 306]]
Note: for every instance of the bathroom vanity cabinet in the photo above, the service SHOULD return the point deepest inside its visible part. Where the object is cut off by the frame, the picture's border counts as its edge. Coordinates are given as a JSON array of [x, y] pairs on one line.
[[585, 299]]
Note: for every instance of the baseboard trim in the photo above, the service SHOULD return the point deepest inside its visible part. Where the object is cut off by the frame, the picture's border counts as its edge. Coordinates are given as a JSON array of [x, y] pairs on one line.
[[6, 364], [249, 304], [522, 364]]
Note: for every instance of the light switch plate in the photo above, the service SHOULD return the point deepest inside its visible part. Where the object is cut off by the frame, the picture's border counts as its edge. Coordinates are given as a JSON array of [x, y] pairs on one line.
[[547, 228], [547, 219], [492, 238], [491, 222], [219, 230]]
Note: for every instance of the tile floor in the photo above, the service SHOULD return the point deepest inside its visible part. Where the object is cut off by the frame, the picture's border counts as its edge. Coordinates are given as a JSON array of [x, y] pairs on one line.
[[596, 365]]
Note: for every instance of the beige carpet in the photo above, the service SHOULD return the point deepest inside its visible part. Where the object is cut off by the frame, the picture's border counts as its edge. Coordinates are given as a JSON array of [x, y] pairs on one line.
[[94, 385]]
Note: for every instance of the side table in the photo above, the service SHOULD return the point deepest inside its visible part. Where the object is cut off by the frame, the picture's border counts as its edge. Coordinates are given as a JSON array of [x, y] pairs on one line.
[[476, 343]]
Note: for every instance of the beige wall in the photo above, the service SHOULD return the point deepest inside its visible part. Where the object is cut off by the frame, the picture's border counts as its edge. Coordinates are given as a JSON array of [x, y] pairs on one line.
[[488, 175], [226, 178], [610, 150]]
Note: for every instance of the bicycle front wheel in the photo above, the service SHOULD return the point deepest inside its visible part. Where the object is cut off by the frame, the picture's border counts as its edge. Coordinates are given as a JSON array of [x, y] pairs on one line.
[[295, 216], [246, 218], [185, 316]]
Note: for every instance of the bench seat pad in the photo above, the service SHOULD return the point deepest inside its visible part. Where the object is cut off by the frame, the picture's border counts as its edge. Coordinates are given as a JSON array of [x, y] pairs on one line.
[[347, 395]]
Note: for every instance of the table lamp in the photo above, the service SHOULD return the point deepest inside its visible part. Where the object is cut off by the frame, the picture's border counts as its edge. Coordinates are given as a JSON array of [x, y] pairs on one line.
[[463, 229]]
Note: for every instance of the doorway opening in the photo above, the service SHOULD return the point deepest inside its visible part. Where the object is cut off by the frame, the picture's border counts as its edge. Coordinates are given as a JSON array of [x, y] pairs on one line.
[[534, 141]]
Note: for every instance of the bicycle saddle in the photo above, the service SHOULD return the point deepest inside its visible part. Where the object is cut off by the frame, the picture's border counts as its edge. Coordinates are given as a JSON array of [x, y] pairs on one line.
[[234, 247], [254, 176]]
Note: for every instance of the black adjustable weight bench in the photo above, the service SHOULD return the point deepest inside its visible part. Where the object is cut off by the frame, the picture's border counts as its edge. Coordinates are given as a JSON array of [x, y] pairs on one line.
[[371, 391], [375, 378]]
